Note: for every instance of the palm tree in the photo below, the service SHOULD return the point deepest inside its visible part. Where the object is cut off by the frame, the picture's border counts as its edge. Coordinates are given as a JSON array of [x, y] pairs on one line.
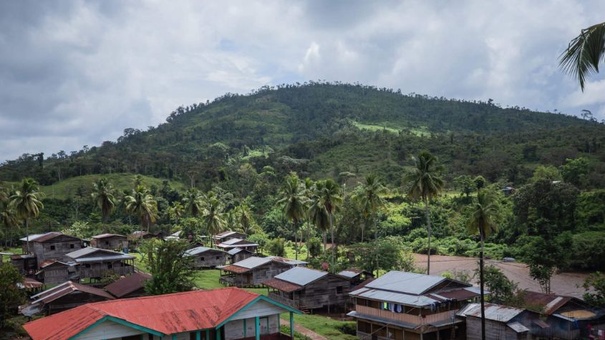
[[245, 218], [584, 53], [8, 217], [327, 195], [368, 196], [212, 216], [293, 200], [193, 202], [482, 222], [27, 204], [103, 195], [142, 204], [425, 184]]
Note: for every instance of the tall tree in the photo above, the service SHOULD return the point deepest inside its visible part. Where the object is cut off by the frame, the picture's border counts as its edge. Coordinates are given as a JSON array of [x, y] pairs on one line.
[[8, 217], [292, 199], [584, 53], [369, 197], [425, 184], [170, 269], [11, 296], [27, 204], [213, 216], [141, 203], [482, 222], [328, 197], [103, 195], [193, 202]]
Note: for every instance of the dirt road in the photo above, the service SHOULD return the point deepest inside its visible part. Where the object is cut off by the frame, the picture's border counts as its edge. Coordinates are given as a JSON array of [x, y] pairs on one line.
[[569, 284]]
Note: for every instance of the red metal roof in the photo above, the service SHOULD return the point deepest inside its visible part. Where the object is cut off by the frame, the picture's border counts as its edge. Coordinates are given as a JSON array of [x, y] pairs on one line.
[[167, 314]]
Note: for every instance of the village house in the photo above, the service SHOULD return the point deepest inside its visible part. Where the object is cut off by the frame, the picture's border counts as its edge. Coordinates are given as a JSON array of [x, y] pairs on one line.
[[501, 322], [564, 317], [309, 289], [238, 243], [96, 263], [50, 246], [129, 286], [54, 272], [253, 271], [63, 297], [110, 241], [203, 257], [228, 235], [402, 305], [228, 313], [238, 254], [356, 276]]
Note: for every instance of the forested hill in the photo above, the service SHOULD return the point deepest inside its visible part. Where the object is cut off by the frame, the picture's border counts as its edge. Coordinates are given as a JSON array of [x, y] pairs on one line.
[[325, 130]]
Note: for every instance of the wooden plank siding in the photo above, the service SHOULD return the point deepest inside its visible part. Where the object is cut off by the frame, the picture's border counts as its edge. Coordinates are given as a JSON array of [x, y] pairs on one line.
[[407, 318]]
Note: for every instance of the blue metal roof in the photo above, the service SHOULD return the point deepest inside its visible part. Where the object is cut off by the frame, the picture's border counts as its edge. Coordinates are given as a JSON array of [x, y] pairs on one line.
[[405, 282]]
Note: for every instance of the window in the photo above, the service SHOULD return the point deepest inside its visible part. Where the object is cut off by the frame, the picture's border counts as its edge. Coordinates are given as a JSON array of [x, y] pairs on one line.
[[218, 257], [339, 290], [52, 247], [71, 246], [109, 266], [202, 258]]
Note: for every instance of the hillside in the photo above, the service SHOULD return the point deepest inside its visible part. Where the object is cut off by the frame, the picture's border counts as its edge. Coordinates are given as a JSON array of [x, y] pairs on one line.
[[321, 129]]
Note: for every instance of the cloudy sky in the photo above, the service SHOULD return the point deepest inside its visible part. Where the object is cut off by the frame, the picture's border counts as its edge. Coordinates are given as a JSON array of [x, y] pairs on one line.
[[75, 73]]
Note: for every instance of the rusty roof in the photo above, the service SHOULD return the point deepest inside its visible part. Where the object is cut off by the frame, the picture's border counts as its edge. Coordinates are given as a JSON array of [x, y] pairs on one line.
[[66, 288], [549, 303], [282, 285], [164, 314], [128, 284], [235, 269], [493, 312]]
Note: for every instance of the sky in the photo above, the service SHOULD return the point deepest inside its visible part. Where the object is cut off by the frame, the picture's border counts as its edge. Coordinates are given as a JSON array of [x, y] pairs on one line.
[[77, 73]]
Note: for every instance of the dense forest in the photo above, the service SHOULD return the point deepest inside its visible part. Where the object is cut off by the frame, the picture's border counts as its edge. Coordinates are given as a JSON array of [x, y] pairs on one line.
[[238, 162]]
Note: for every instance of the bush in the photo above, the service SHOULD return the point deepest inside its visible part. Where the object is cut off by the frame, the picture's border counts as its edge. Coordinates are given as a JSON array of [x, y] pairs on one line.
[[277, 247]]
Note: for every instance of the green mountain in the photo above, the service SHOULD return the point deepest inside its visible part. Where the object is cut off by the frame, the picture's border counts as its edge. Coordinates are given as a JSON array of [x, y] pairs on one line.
[[325, 129]]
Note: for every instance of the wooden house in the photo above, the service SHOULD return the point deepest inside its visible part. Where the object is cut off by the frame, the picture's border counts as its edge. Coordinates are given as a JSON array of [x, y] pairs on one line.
[[25, 263], [402, 305], [53, 272], [228, 235], [356, 276], [132, 285], [501, 322], [63, 297], [238, 243], [110, 241], [228, 313], [204, 257], [96, 263], [238, 254], [309, 289], [50, 246], [564, 317], [253, 271]]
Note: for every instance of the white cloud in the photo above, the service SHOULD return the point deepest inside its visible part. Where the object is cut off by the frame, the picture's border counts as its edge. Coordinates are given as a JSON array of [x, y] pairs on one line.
[[78, 73]]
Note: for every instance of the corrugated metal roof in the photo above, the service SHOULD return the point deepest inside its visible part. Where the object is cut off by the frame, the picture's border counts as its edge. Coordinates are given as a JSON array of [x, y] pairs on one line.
[[84, 255], [199, 250], [66, 288], [549, 303], [288, 261], [301, 275], [166, 314], [349, 273], [405, 282], [237, 242], [253, 262], [282, 285], [493, 312], [518, 327], [401, 298], [108, 236], [234, 251], [128, 284]]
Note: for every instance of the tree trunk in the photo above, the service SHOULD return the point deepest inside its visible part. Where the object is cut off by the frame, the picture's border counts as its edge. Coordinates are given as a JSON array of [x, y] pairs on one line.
[[482, 283], [429, 230], [332, 239]]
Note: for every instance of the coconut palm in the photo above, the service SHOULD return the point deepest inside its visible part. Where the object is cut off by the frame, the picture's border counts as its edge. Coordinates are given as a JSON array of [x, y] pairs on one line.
[[482, 222], [26, 203], [244, 218], [584, 53], [213, 216], [369, 197], [103, 195], [193, 202], [293, 200], [425, 184], [141, 203], [8, 217], [327, 196]]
